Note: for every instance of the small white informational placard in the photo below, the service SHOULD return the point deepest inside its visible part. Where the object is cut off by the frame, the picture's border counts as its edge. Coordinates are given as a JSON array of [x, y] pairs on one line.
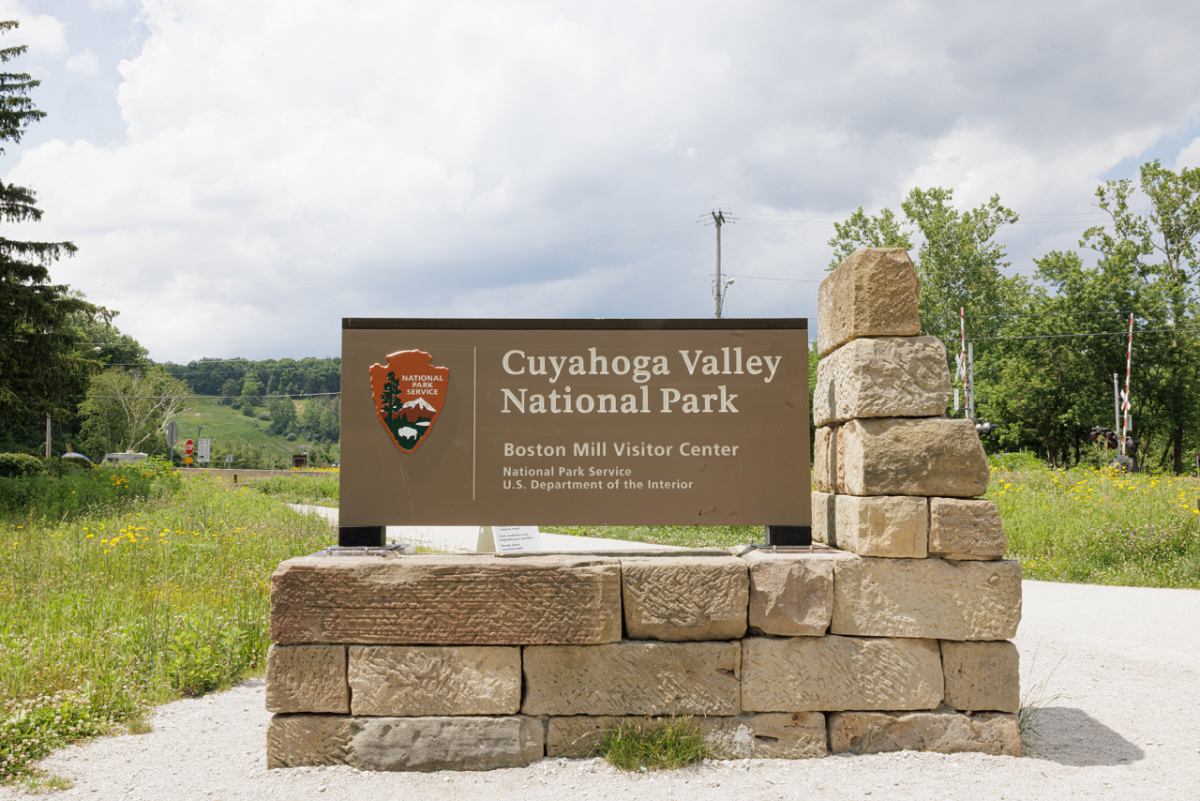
[[203, 449], [509, 539]]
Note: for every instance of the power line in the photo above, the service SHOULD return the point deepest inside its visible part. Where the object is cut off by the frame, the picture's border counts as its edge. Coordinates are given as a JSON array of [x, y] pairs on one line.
[[215, 397], [1100, 334]]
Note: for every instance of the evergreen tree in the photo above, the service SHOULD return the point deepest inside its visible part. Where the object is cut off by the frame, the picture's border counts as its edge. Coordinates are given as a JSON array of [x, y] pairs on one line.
[[40, 368]]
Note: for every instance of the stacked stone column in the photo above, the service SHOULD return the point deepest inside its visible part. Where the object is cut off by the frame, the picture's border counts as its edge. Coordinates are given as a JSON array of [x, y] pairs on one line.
[[897, 485]]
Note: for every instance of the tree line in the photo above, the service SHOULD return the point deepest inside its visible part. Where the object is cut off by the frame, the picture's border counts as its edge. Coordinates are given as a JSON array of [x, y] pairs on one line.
[[1047, 347]]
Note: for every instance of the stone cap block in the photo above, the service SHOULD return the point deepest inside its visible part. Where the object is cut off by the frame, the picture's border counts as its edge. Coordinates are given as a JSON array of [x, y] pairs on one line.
[[964, 529], [882, 377], [307, 678], [684, 598], [873, 293], [911, 456], [942, 732], [982, 676], [791, 594], [894, 526], [447, 600], [926, 598]]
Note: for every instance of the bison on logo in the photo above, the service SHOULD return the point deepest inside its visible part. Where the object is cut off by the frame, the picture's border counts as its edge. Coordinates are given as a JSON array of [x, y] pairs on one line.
[[409, 394]]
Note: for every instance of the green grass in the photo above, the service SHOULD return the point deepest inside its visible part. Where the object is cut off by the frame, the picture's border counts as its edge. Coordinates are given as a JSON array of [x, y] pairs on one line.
[[685, 536], [671, 743], [1098, 526], [319, 490], [103, 615]]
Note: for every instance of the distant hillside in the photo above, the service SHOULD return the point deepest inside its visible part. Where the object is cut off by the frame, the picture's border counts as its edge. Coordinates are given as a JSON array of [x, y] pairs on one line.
[[248, 438]]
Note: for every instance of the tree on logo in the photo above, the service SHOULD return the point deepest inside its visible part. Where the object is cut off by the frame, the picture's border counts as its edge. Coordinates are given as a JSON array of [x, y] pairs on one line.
[[392, 397]]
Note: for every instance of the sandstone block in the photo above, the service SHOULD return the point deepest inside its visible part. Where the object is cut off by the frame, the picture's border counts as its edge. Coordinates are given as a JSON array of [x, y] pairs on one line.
[[886, 377], [295, 741], [448, 743], [415, 681], [835, 673], [939, 732], [307, 678], [926, 598], [685, 598], [766, 735], [824, 459], [881, 525], [791, 595], [982, 676], [962, 529], [447, 600], [396, 744], [633, 678], [922, 456], [873, 293]]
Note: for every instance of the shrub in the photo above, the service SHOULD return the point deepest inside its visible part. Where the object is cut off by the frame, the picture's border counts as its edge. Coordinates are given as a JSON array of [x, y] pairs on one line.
[[14, 465]]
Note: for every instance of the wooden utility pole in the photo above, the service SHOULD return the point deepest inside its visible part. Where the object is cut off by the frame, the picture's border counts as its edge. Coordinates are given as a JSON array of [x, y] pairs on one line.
[[720, 219]]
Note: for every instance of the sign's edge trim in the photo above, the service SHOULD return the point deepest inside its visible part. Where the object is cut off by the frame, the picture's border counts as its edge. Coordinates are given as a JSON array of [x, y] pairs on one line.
[[468, 324]]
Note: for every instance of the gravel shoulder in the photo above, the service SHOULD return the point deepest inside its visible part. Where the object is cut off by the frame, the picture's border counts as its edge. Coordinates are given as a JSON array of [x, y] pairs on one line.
[[1116, 671]]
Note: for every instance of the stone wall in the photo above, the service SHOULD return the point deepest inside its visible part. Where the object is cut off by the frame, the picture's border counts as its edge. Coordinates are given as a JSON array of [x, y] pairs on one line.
[[891, 635]]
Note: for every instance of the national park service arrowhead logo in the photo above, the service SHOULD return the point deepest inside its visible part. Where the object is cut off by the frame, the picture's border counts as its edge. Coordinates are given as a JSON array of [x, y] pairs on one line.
[[409, 394]]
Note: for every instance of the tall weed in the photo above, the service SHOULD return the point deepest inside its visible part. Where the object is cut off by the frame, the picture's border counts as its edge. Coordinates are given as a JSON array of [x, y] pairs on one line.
[[162, 596]]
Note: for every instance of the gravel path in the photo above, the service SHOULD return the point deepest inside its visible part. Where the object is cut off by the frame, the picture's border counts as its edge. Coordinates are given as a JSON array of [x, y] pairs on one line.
[[1121, 719]]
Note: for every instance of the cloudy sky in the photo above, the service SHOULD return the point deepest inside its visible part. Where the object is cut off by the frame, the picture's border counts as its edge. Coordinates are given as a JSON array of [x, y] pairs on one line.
[[239, 176]]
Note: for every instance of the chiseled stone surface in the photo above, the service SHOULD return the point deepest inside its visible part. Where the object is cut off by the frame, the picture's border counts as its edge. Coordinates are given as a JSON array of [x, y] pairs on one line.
[[633, 678], [764, 735], [447, 600], [413, 680], [875, 597], [884, 377], [399, 744], [895, 526], [963, 529], [836, 673], [684, 598], [447, 743], [824, 450], [982, 676], [872, 293], [791, 594], [941, 732], [295, 741], [911, 456], [307, 678]]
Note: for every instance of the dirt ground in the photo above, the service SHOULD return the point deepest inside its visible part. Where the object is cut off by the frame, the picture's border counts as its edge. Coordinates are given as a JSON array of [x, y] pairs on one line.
[[1115, 670]]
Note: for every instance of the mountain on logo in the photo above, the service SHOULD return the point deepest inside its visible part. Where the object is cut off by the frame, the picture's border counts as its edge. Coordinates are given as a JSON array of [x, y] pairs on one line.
[[409, 374], [420, 404]]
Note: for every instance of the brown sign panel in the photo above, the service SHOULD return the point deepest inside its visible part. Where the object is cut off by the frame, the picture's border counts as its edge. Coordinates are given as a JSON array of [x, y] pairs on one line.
[[574, 422]]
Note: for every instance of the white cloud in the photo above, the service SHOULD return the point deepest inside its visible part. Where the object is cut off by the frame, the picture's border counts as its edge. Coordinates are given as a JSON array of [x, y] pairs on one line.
[[83, 63], [1189, 157], [285, 166], [42, 32]]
